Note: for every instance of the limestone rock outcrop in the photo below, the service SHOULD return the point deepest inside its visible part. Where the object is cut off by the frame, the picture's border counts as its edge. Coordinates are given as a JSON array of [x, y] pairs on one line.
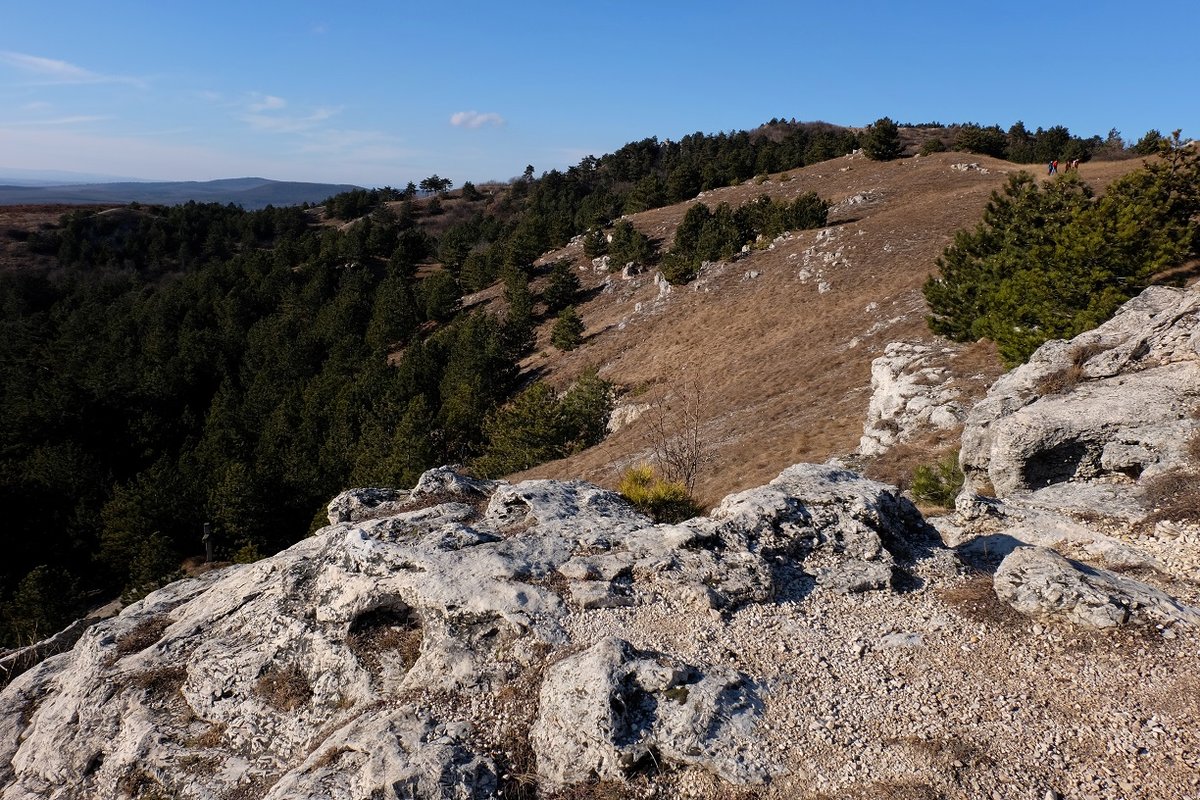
[[324, 671], [1039, 582], [605, 711], [1116, 402], [910, 392]]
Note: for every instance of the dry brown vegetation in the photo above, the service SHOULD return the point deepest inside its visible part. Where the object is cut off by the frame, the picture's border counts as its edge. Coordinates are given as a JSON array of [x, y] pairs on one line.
[[386, 629], [786, 366], [211, 737], [1173, 496], [975, 599], [138, 783], [284, 688], [143, 635], [1060, 381], [162, 682]]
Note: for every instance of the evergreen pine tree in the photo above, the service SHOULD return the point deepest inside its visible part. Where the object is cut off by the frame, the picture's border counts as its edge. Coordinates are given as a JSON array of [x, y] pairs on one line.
[[881, 141], [568, 329]]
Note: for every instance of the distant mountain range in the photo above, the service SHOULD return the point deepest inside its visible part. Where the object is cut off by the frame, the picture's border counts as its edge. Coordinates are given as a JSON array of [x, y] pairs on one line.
[[250, 193]]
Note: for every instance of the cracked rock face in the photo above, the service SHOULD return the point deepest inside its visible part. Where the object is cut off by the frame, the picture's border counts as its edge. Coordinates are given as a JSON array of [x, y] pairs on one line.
[[607, 711], [310, 673], [1038, 582], [1115, 402], [911, 391]]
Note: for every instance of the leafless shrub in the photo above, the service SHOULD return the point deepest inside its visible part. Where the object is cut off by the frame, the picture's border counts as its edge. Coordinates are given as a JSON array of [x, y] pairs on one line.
[[284, 688], [675, 434], [142, 635]]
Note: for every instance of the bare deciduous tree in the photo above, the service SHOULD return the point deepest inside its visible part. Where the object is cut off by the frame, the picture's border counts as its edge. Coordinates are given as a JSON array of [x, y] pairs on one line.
[[675, 433]]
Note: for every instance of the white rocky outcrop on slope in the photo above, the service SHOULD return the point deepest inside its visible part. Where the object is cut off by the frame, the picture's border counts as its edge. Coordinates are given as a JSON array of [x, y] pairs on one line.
[[910, 392], [473, 639], [1039, 582], [1116, 402], [1071, 443], [303, 675]]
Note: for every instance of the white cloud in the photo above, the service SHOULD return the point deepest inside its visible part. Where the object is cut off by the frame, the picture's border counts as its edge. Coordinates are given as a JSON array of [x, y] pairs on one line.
[[54, 121], [53, 70], [475, 119], [267, 102], [280, 123]]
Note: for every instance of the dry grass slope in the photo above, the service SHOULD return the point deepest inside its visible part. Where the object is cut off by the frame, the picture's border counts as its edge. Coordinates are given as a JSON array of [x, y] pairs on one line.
[[785, 355]]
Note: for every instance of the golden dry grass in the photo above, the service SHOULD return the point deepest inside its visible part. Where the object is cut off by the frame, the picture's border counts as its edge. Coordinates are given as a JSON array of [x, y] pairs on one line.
[[785, 366], [284, 688], [143, 635]]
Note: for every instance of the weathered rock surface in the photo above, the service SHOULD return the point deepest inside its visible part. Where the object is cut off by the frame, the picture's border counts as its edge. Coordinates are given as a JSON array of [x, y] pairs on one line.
[[310, 673], [1038, 582], [1115, 402], [909, 393], [607, 711]]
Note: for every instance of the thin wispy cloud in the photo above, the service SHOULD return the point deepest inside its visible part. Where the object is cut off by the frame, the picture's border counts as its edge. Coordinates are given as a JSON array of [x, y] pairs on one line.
[[267, 102], [475, 119], [263, 120], [55, 122], [53, 70]]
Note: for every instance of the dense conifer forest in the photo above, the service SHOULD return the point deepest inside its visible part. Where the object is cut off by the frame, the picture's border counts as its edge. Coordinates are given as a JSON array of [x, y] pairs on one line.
[[201, 363]]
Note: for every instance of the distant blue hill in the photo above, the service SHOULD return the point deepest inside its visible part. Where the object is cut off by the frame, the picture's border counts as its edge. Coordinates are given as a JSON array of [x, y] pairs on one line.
[[249, 193]]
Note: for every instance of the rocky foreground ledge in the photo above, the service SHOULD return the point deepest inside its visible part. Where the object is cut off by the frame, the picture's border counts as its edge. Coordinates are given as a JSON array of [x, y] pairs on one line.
[[471, 639]]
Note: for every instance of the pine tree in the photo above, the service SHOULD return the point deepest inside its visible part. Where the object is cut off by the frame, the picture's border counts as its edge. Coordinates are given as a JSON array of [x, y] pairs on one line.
[[881, 141], [568, 329], [563, 288]]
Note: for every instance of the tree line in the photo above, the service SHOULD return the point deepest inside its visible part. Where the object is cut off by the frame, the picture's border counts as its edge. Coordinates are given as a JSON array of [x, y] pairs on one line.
[[1052, 260]]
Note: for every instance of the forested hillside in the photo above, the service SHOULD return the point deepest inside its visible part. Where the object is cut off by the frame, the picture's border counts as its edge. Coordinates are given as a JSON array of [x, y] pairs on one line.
[[164, 367], [201, 363]]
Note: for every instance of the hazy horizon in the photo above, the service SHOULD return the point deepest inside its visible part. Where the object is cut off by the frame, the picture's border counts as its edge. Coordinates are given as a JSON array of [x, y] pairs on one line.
[[393, 93]]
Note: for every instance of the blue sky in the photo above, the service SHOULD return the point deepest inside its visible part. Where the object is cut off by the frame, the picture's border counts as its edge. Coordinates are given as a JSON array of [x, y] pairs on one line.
[[379, 93]]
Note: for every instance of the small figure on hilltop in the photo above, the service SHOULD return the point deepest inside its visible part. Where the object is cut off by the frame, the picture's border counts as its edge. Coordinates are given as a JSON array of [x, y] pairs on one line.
[[1050, 168]]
